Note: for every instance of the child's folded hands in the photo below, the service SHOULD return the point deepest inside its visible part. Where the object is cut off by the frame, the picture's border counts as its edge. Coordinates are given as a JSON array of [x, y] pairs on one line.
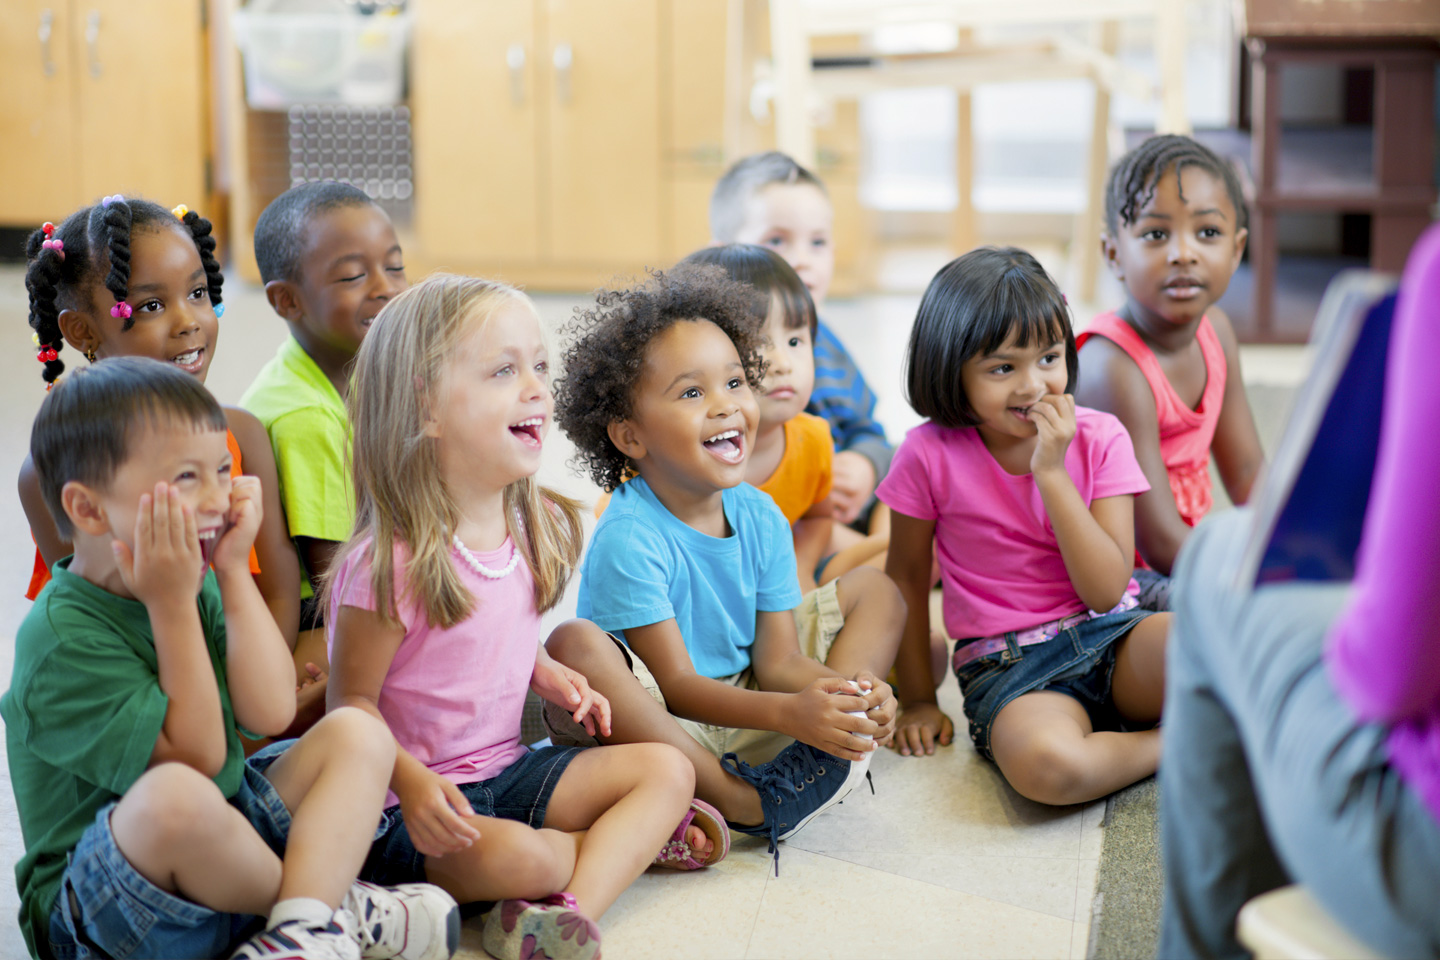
[[823, 715]]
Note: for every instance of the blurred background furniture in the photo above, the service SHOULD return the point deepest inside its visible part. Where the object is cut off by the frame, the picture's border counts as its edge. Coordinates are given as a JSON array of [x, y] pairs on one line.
[[1380, 164], [800, 78]]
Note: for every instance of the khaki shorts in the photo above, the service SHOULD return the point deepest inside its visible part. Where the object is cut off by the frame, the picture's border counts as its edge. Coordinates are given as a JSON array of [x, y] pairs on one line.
[[817, 620]]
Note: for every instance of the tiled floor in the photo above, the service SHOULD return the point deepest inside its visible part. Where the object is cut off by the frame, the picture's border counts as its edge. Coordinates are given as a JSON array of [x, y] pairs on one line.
[[944, 861]]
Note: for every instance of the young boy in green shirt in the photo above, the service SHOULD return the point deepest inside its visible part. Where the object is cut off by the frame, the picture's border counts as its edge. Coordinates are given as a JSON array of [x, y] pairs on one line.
[[330, 260], [147, 833]]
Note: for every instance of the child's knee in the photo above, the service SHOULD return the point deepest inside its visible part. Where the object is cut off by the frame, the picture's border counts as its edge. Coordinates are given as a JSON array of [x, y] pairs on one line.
[[667, 766], [1051, 770], [577, 642], [870, 590], [168, 805], [356, 736]]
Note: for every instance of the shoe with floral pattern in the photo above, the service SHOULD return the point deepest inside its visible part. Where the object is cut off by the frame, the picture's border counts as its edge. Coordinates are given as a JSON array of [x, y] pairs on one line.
[[552, 929]]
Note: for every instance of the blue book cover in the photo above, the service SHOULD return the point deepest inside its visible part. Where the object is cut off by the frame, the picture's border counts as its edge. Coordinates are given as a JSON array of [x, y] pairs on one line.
[[1310, 510]]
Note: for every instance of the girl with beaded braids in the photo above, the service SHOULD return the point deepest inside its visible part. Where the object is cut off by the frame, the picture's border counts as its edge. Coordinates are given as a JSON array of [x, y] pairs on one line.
[[127, 277], [1167, 362]]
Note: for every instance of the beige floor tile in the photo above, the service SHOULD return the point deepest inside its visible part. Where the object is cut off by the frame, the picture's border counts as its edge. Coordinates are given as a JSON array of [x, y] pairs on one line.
[[1092, 830], [1084, 908], [1042, 884], [825, 908]]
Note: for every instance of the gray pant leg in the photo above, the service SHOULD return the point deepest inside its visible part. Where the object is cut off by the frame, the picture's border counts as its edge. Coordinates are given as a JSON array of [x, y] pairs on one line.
[[1254, 724]]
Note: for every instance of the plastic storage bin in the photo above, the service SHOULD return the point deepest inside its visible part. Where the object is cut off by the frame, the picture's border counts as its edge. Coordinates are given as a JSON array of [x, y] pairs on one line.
[[321, 51]]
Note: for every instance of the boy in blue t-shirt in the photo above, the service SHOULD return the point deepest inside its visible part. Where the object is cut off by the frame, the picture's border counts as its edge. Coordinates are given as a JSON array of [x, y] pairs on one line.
[[694, 571], [147, 832]]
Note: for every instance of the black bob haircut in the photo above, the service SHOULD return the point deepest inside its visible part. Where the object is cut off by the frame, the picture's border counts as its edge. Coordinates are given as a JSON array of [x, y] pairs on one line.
[[770, 275], [606, 351], [972, 307], [280, 232], [85, 425]]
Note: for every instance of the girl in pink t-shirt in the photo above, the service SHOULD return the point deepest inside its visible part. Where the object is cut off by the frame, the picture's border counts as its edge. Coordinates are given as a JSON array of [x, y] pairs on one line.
[[1027, 502], [435, 607]]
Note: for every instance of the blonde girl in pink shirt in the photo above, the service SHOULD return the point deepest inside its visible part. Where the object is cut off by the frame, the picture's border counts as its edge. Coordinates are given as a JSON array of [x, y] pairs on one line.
[[435, 607], [1027, 502]]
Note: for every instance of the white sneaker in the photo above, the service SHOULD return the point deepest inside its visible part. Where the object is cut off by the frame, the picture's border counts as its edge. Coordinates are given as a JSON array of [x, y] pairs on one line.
[[295, 941], [412, 921]]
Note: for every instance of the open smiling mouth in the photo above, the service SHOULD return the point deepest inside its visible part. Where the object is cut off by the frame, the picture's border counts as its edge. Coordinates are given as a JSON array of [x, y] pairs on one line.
[[208, 540], [528, 430], [728, 446], [189, 360]]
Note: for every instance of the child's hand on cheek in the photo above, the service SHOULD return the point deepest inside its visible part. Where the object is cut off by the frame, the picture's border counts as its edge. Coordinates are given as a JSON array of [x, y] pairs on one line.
[[165, 564], [242, 524], [1054, 419]]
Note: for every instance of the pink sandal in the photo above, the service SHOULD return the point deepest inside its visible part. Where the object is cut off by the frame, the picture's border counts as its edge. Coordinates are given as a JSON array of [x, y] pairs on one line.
[[677, 854]]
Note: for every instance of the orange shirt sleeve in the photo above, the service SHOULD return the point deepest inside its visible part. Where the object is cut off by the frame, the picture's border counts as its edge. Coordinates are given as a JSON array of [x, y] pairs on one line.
[[237, 469]]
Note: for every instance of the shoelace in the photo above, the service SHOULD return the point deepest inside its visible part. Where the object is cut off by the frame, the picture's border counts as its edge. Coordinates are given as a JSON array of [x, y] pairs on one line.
[[368, 928]]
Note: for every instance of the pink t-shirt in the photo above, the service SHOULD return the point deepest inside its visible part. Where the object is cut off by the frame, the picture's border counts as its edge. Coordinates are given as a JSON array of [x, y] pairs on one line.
[[453, 697], [1000, 567]]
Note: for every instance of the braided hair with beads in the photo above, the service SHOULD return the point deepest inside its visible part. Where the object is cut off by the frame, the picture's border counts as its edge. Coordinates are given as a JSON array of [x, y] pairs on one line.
[[1134, 177], [63, 259]]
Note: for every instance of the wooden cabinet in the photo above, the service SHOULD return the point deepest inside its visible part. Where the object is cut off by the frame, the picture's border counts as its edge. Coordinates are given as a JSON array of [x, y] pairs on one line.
[[100, 97], [537, 136]]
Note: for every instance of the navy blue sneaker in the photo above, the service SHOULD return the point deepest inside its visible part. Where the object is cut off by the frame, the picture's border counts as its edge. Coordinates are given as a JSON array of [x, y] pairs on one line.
[[795, 787]]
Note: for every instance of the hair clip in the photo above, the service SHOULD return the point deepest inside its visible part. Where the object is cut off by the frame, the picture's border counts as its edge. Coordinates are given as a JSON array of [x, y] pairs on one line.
[[106, 201], [180, 212], [121, 311], [47, 354], [57, 245], [48, 229], [219, 310]]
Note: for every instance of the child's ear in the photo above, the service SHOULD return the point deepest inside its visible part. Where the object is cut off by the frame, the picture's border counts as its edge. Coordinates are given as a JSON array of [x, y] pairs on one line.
[[626, 438], [430, 424], [1109, 250], [1241, 237], [284, 299], [78, 331], [82, 506]]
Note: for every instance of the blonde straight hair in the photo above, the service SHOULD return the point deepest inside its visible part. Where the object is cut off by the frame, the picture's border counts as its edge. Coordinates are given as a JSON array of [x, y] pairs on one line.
[[399, 492]]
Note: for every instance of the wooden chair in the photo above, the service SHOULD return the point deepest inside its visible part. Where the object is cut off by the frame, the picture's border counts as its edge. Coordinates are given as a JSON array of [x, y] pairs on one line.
[[797, 84]]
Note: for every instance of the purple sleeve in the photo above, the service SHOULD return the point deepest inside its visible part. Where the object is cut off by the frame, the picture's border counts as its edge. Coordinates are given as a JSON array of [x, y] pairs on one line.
[[1382, 653], [907, 487]]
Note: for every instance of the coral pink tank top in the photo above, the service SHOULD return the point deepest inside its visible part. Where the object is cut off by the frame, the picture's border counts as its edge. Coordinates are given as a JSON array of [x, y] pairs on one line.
[[1185, 434]]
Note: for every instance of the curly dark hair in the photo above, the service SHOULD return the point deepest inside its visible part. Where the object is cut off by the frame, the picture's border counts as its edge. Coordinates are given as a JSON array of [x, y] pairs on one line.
[[606, 351]]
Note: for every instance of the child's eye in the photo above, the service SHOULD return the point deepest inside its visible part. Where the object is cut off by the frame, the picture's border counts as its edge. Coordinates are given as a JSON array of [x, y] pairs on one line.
[[199, 293], [691, 393], [735, 383], [795, 342], [185, 475], [1153, 235], [1003, 368], [150, 306], [1050, 358], [820, 242], [505, 371], [774, 241], [1210, 233], [358, 276], [399, 269]]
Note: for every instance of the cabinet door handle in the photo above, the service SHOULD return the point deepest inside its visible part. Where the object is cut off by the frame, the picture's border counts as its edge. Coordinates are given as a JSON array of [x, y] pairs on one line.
[[515, 60], [47, 26], [564, 57], [92, 42]]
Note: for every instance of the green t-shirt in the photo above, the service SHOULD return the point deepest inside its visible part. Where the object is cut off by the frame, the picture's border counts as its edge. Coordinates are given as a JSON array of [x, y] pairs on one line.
[[309, 432], [81, 718]]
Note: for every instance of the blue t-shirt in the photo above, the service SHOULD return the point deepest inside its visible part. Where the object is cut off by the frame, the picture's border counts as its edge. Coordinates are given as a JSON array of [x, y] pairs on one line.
[[645, 566]]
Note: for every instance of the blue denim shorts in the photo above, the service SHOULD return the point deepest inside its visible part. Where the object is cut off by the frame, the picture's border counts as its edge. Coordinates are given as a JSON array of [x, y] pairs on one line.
[[107, 909], [1079, 663], [521, 792]]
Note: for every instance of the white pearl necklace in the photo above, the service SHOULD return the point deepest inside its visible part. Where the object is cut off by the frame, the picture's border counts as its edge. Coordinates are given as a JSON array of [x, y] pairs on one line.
[[480, 568]]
